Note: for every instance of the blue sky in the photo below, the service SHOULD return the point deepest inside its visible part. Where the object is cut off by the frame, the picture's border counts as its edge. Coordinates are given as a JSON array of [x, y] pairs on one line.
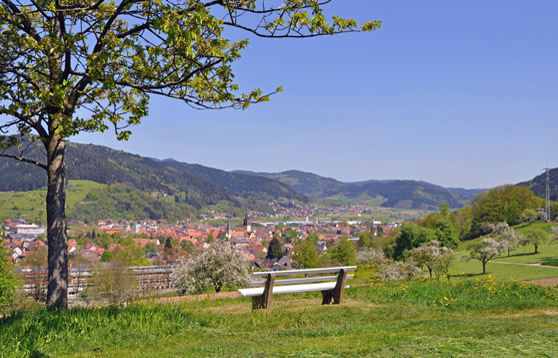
[[457, 93]]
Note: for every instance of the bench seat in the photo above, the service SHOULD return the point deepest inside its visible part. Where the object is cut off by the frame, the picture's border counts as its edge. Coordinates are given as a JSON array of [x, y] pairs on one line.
[[277, 290]]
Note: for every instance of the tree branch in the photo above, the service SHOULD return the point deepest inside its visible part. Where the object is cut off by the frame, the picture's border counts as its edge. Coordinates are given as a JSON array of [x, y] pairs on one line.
[[25, 160]]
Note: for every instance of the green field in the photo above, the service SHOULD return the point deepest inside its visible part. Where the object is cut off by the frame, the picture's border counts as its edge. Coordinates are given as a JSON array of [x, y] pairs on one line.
[[31, 206], [475, 318], [519, 265]]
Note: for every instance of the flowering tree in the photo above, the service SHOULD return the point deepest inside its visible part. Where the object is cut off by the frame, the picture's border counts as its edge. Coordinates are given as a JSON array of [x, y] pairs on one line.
[[536, 237], [485, 251], [217, 266], [434, 256], [92, 65], [505, 235]]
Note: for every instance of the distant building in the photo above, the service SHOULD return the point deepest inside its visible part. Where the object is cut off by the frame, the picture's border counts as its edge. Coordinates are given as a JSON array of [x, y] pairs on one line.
[[24, 229]]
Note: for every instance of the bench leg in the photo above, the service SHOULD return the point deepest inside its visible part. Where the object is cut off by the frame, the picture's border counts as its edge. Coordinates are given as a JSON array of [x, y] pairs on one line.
[[337, 293], [327, 296], [264, 301]]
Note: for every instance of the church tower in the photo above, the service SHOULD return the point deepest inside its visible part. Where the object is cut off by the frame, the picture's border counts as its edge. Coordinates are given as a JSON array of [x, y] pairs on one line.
[[247, 223], [228, 234]]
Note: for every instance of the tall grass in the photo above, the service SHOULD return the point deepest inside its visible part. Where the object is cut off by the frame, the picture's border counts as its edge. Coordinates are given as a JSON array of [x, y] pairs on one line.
[[473, 317]]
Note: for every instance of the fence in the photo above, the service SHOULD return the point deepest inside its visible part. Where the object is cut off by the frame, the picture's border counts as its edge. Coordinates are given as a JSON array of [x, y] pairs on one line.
[[148, 278]]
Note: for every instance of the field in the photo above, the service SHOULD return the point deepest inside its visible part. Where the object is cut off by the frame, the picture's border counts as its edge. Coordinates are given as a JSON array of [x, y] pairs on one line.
[[523, 264], [467, 315], [477, 317], [30, 205]]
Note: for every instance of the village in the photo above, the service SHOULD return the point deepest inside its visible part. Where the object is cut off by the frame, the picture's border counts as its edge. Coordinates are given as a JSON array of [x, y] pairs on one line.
[[161, 243]]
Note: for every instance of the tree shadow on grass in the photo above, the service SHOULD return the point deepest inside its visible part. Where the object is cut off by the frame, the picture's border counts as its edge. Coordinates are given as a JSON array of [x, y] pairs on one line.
[[469, 275], [521, 254]]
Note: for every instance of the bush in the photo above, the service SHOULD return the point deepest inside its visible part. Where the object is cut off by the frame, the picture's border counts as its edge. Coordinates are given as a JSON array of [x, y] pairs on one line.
[[217, 266], [8, 281]]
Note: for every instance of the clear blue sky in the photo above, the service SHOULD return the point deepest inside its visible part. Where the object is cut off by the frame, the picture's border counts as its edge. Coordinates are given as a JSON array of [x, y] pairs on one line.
[[457, 93]]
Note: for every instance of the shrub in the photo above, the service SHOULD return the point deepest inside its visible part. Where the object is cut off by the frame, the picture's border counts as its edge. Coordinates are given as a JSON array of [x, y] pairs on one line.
[[217, 266]]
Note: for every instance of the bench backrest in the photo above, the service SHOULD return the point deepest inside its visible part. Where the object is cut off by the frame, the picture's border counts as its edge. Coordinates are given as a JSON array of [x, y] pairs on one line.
[[260, 278]]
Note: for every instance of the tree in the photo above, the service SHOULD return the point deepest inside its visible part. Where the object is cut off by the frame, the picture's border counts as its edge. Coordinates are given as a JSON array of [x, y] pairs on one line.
[[505, 235], [150, 247], [36, 260], [80, 265], [411, 236], [344, 252], [216, 266], [485, 250], [434, 256], [446, 234], [114, 282], [305, 254], [536, 237], [8, 281], [502, 204], [274, 250], [528, 215], [106, 256], [68, 67]]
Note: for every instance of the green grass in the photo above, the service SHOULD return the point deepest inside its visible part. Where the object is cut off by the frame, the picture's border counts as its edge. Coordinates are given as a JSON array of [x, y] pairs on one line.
[[31, 205], [517, 264], [477, 317]]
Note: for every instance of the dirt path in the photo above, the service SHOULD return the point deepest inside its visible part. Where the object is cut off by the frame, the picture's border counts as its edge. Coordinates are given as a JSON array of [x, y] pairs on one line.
[[542, 282]]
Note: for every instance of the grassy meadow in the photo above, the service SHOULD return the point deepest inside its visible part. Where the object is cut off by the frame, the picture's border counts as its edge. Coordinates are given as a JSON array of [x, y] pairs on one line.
[[473, 318], [467, 315], [31, 205], [522, 264]]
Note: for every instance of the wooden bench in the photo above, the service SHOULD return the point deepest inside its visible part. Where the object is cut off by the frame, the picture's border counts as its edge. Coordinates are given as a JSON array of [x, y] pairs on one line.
[[265, 285]]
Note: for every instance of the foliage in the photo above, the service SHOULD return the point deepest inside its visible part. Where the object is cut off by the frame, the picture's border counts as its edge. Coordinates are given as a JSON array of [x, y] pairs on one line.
[[113, 282], [344, 252], [8, 281], [274, 250], [536, 237], [434, 256], [370, 257], [446, 234], [501, 204], [528, 215], [36, 261], [79, 265], [69, 68], [216, 266], [106, 256], [411, 236], [485, 250], [305, 254], [398, 271]]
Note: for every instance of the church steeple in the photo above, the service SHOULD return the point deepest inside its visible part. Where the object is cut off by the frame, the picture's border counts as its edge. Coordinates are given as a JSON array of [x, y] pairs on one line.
[[228, 234], [247, 223]]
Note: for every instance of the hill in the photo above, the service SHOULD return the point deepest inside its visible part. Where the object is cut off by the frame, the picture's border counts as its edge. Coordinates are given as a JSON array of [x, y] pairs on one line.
[[402, 194], [88, 202], [194, 185], [198, 186], [538, 184]]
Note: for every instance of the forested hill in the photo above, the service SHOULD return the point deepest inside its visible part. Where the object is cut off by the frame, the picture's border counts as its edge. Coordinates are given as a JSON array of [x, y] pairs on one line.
[[538, 184], [404, 194], [201, 186], [196, 185]]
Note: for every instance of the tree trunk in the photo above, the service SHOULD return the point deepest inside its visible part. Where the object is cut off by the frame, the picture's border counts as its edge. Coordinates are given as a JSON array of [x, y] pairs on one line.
[[57, 294], [484, 268], [536, 249]]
